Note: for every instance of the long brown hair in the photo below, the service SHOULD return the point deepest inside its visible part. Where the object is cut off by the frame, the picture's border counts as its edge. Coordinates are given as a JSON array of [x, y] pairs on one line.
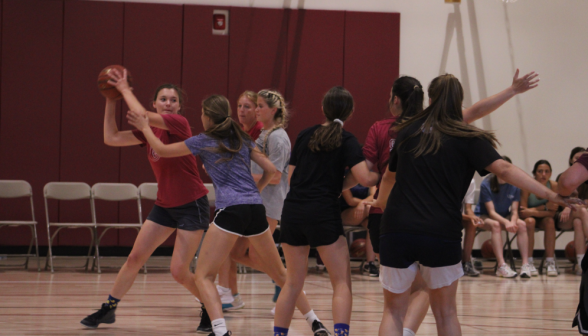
[[275, 99], [337, 104], [217, 108], [181, 94], [443, 117]]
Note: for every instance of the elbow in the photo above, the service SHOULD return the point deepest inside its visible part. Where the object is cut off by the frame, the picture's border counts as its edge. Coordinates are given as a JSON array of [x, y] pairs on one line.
[[565, 186], [368, 181]]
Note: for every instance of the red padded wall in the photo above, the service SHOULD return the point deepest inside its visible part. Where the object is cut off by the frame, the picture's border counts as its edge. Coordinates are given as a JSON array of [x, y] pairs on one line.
[[30, 101], [205, 65], [153, 53], [315, 64], [372, 52], [259, 47], [92, 39]]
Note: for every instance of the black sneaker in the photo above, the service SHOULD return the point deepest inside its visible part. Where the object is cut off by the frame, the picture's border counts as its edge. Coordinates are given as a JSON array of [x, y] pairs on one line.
[[229, 333], [103, 315], [319, 329], [205, 324], [371, 269], [469, 269]]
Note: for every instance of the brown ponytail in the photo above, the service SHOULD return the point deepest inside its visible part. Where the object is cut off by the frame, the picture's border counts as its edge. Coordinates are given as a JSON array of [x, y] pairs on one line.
[[337, 104]]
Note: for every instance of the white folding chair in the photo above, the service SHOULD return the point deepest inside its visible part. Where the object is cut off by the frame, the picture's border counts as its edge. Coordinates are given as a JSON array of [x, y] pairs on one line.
[[17, 189], [68, 191], [115, 192]]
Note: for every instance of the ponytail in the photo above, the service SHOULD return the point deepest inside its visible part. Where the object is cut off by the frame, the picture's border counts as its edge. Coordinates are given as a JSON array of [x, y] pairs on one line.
[[337, 106], [217, 108]]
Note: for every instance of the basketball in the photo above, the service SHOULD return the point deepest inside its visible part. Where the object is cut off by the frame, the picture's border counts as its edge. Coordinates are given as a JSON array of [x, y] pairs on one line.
[[105, 88], [487, 251], [571, 252], [357, 248]]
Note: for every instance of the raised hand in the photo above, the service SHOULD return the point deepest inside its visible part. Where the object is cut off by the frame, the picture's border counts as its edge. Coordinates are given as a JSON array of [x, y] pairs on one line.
[[567, 201], [525, 83], [138, 119], [119, 80]]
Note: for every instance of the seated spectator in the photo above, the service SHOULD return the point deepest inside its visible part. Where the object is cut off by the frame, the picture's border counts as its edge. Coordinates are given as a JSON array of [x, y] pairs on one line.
[[498, 208], [470, 222], [355, 210], [565, 219], [539, 213]]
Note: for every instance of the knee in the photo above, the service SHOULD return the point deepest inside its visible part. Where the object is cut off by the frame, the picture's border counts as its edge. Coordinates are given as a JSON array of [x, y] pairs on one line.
[[494, 226], [530, 222], [522, 228], [179, 273], [134, 260]]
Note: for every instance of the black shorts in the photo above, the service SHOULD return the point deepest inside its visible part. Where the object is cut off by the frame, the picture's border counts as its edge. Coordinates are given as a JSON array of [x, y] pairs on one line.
[[190, 217], [310, 234], [243, 220], [400, 250], [374, 221]]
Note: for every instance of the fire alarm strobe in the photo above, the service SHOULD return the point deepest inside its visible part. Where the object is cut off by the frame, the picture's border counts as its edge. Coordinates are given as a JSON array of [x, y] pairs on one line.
[[220, 22]]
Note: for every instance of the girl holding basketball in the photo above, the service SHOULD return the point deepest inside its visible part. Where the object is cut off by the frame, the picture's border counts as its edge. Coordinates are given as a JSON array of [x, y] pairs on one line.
[[181, 206], [226, 151], [428, 145], [311, 215]]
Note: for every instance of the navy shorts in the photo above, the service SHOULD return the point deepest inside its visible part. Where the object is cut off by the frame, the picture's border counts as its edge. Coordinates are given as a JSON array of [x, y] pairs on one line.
[[190, 216], [400, 250]]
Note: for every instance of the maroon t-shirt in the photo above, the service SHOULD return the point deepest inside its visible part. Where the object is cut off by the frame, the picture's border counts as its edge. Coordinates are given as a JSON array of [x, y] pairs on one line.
[[377, 147], [178, 180], [255, 131], [583, 160]]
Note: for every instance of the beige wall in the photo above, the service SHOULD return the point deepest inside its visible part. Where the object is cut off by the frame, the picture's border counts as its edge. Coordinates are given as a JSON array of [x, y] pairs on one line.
[[482, 42]]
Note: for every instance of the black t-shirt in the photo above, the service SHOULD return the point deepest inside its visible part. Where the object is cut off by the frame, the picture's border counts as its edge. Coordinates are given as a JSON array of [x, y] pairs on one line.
[[318, 177], [429, 190]]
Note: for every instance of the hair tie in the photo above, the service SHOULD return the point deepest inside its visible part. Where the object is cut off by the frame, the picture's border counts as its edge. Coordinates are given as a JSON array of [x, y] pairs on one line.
[[338, 121], [416, 87]]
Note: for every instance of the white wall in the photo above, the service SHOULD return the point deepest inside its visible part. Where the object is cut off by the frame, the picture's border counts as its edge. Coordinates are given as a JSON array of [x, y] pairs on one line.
[[485, 42]]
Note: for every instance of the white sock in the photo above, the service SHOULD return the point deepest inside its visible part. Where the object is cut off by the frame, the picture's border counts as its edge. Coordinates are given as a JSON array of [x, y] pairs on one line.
[[407, 332], [530, 260], [310, 317], [224, 289], [549, 259], [579, 258], [219, 327]]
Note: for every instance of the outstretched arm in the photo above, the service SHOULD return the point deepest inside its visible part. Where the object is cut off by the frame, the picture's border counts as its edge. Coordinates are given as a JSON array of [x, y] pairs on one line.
[[141, 122], [490, 104], [119, 81], [112, 136]]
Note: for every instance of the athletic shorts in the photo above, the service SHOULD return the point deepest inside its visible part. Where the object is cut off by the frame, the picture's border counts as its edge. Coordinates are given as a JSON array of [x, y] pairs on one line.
[[311, 234], [581, 317], [401, 254], [374, 221], [190, 216], [243, 220]]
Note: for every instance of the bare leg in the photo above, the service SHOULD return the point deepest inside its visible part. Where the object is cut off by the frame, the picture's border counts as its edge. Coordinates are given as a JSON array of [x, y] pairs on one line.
[[185, 248], [444, 308], [579, 238], [336, 259], [523, 240], [496, 229], [530, 222], [419, 304], [468, 241], [395, 308], [150, 237], [297, 260], [548, 224]]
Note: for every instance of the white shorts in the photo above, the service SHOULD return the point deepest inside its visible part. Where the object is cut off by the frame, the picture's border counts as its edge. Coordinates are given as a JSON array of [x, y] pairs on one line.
[[399, 280]]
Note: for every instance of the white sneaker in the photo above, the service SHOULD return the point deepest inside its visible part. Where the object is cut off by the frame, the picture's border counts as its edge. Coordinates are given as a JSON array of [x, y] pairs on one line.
[[505, 271], [526, 271], [236, 304], [534, 271], [225, 294], [551, 269], [273, 311]]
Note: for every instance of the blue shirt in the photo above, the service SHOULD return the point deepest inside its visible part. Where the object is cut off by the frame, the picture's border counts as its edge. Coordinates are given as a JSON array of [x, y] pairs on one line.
[[502, 200], [233, 183]]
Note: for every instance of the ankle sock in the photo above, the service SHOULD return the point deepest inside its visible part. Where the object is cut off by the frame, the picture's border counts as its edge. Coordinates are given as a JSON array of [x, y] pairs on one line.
[[407, 332], [530, 259], [219, 327], [310, 317], [112, 302], [341, 329], [550, 259], [280, 331]]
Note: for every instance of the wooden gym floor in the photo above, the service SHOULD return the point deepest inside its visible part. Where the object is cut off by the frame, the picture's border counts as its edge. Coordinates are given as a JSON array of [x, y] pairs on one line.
[[33, 303]]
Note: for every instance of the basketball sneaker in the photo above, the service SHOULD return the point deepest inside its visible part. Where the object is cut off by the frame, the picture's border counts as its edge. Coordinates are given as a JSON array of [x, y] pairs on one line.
[[229, 333], [104, 315], [205, 323], [371, 269], [526, 271], [534, 271], [319, 329], [470, 270], [551, 269], [505, 271], [236, 304]]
